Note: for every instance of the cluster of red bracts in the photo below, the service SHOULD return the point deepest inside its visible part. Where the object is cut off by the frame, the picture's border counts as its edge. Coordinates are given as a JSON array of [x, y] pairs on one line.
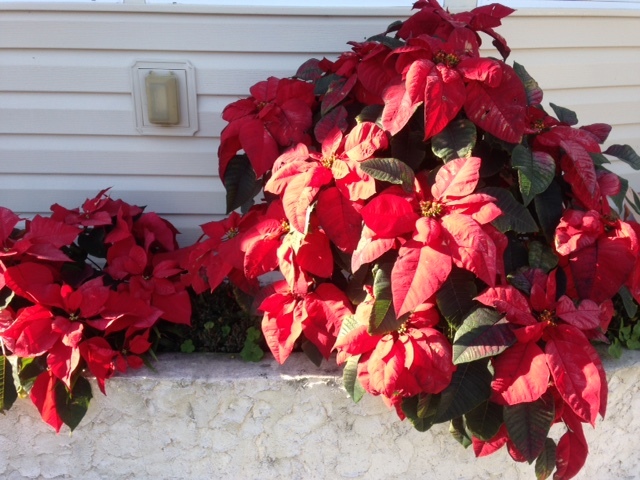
[[74, 314]]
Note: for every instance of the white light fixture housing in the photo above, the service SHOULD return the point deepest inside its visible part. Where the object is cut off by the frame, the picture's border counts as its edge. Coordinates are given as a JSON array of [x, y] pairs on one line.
[[165, 99]]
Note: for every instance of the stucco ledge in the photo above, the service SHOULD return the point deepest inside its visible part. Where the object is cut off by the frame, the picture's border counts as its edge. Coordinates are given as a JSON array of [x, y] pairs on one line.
[[206, 416]]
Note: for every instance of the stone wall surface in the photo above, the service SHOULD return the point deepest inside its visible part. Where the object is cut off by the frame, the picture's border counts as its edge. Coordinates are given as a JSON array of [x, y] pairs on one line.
[[213, 417]]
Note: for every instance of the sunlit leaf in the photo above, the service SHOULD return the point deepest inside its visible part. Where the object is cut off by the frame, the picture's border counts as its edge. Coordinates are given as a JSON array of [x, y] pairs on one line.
[[481, 335], [389, 170]]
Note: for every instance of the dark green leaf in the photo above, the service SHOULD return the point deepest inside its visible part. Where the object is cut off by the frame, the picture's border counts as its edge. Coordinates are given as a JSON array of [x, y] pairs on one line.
[[370, 113], [516, 254], [542, 256], [240, 182], [458, 430], [408, 146], [390, 42], [421, 410], [92, 242], [546, 461], [312, 352], [309, 70], [72, 406], [322, 84], [350, 379], [485, 420], [598, 159], [626, 154], [536, 171], [382, 318], [483, 334], [630, 306], [636, 202], [534, 92], [469, 387], [528, 425], [565, 115], [8, 393], [549, 209], [455, 296], [455, 141], [515, 215], [390, 170]]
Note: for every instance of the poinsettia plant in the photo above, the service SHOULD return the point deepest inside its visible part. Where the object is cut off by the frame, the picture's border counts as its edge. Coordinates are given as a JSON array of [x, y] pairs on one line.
[[82, 290], [454, 243]]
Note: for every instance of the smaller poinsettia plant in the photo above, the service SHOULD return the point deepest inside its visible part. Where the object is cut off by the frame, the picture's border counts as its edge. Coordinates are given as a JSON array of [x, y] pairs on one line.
[[82, 290], [457, 245]]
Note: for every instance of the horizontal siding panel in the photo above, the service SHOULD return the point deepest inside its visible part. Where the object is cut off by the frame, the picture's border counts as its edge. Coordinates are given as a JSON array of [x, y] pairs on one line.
[[90, 114], [620, 105], [567, 31], [164, 195], [232, 74], [168, 33], [77, 71], [104, 155], [564, 68]]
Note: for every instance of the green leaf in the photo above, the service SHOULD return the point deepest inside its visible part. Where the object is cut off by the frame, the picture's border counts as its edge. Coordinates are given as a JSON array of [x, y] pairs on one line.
[[8, 392], [251, 351], [515, 215], [390, 42], [421, 410], [485, 420], [348, 324], [528, 425], [312, 352], [534, 92], [350, 379], [636, 202], [455, 141], [72, 406], [408, 146], [564, 114], [370, 113], [455, 296], [546, 461], [483, 334], [469, 387], [536, 171], [187, 346], [549, 209], [390, 170], [240, 182], [615, 349], [322, 84], [598, 159], [383, 318], [630, 306], [542, 256], [626, 154], [92, 242], [458, 430]]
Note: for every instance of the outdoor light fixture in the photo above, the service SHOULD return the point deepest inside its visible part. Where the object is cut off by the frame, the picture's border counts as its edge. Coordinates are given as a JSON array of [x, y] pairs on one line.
[[163, 102]]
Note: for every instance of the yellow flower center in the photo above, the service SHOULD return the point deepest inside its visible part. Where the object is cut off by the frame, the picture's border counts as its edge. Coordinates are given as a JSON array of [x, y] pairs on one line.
[[327, 162], [547, 317], [449, 59], [232, 232], [431, 209]]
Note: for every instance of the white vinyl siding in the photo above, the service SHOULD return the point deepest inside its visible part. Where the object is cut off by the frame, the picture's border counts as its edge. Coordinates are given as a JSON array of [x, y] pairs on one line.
[[67, 125]]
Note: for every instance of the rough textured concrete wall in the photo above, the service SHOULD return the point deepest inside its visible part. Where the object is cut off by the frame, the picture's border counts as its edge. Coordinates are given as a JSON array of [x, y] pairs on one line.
[[207, 417]]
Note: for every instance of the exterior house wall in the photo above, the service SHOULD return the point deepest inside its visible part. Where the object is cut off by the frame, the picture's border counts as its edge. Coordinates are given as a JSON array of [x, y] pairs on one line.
[[67, 127]]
